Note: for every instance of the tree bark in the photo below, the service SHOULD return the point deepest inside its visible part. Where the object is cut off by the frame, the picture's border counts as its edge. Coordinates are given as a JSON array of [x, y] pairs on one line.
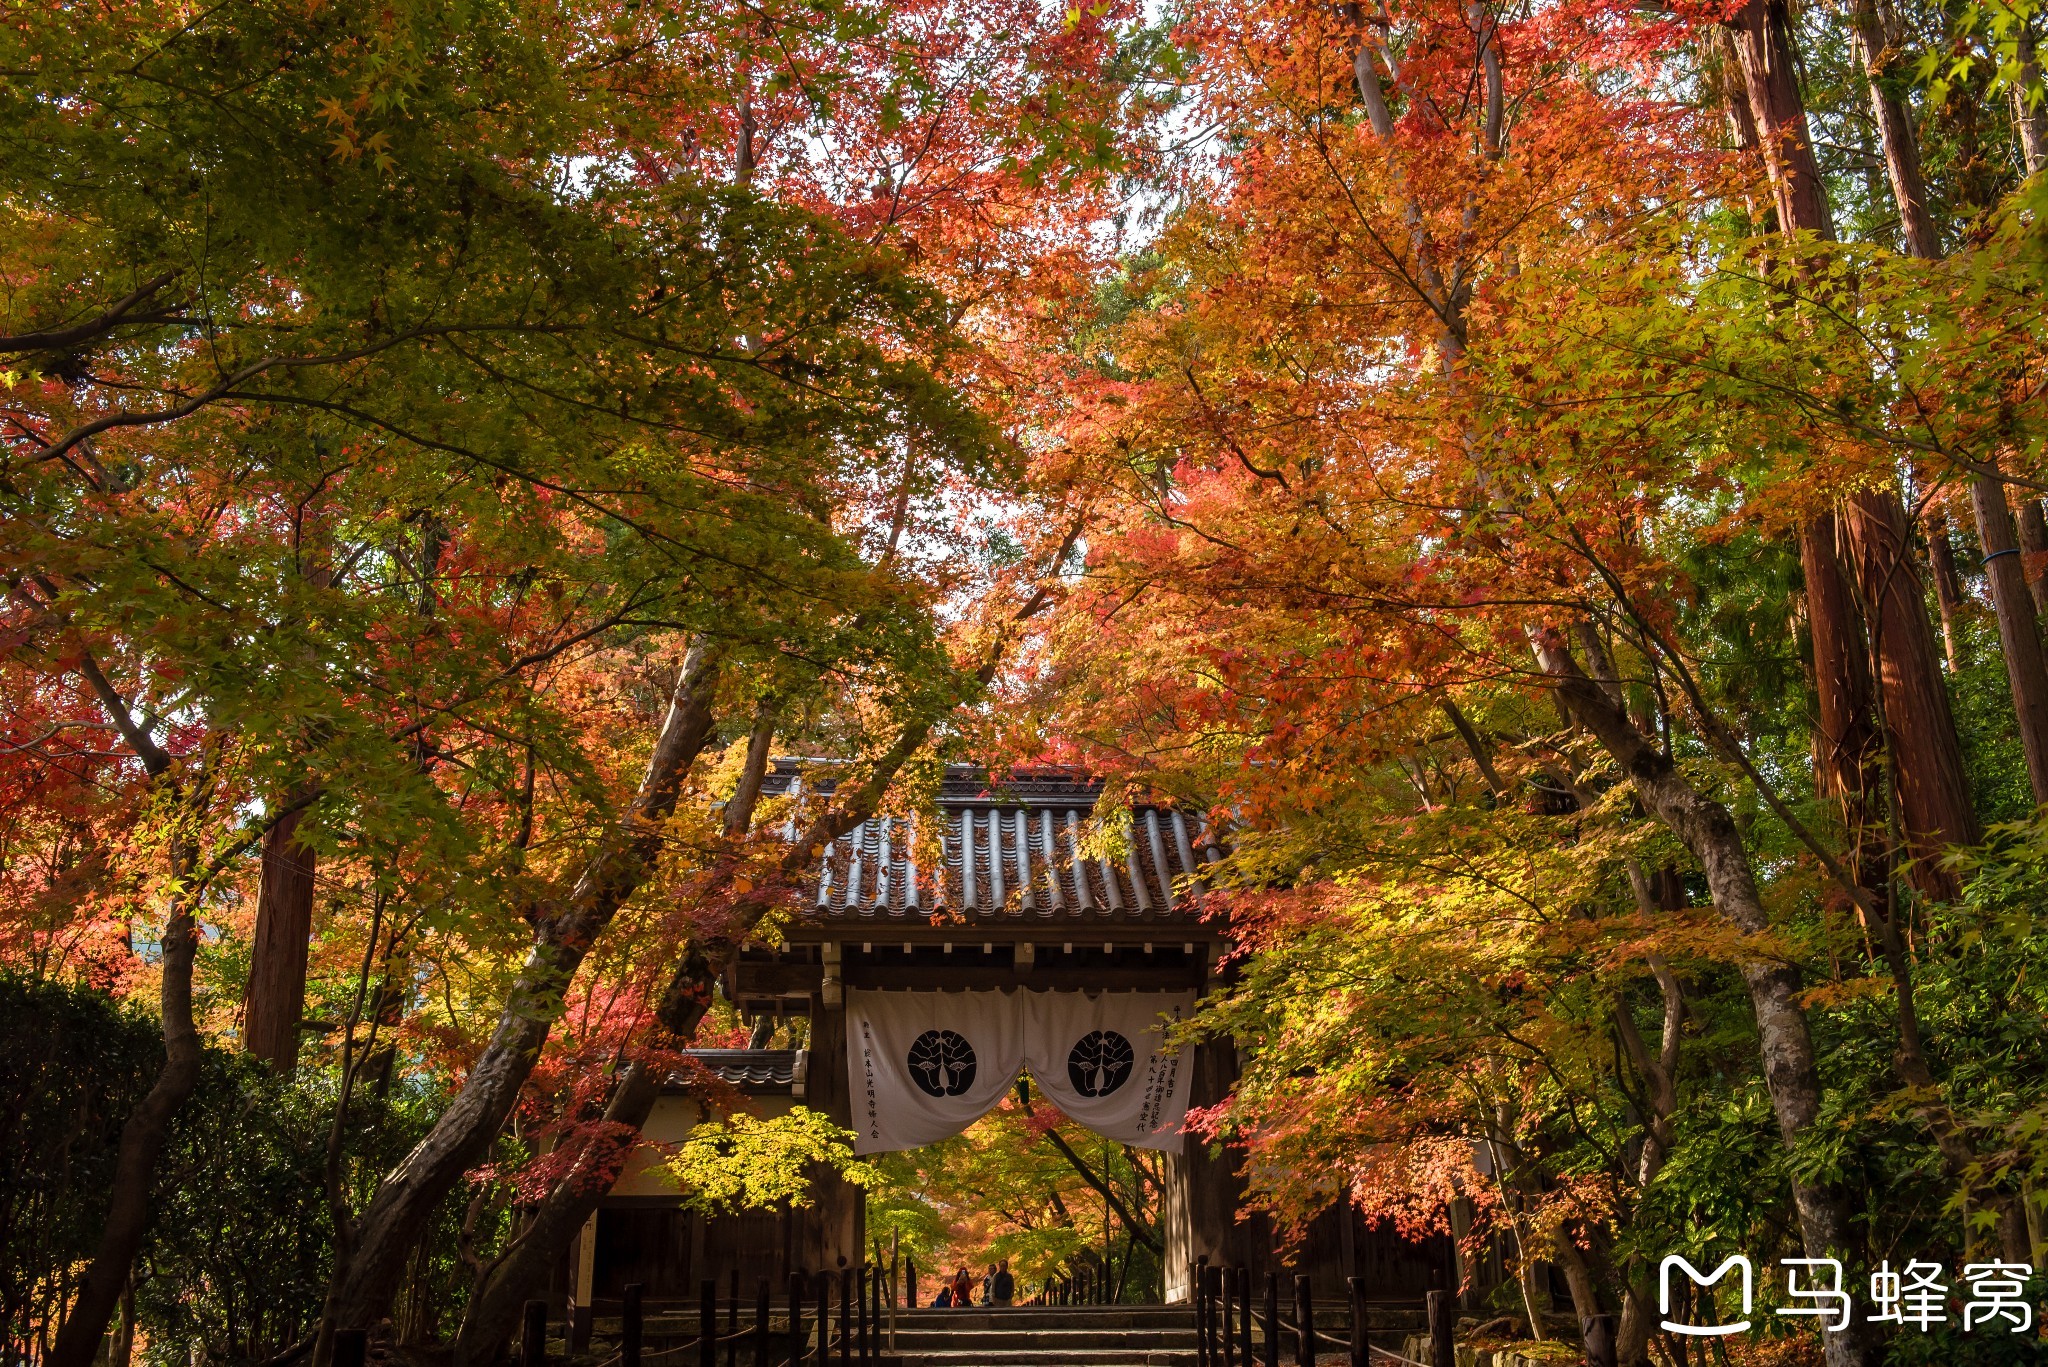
[[1948, 585], [1846, 752], [143, 1136], [1791, 1067], [2032, 120], [148, 1127], [2034, 551], [1926, 756], [502, 1292], [1763, 46], [275, 1000], [1942, 796], [1912, 699], [1895, 132], [365, 1282], [2018, 632], [739, 808]]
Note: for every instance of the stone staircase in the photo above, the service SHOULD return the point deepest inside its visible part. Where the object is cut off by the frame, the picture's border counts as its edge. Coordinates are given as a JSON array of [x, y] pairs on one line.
[[1046, 1336]]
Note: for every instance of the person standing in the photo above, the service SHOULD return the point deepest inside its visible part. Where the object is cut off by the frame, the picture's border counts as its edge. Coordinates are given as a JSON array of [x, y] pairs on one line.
[[1003, 1286], [963, 1289]]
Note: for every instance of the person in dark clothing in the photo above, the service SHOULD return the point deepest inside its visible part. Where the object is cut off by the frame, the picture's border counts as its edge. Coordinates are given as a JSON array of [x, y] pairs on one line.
[[944, 1298], [1004, 1287]]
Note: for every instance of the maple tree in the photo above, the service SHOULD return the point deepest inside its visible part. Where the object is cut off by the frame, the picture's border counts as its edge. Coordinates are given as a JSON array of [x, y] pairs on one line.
[[1438, 430], [1493, 458]]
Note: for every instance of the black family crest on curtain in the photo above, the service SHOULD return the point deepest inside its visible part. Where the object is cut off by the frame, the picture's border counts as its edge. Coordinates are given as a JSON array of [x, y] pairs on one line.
[[1100, 1063], [926, 1065], [941, 1063]]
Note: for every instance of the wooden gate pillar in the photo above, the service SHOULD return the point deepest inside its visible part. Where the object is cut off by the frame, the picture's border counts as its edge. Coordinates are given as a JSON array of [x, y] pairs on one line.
[[835, 1226], [1205, 1191]]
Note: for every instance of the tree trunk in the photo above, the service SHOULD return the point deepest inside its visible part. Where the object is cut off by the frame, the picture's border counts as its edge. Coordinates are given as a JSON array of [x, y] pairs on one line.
[[1941, 796], [2032, 120], [1763, 47], [1948, 585], [1895, 131], [275, 1000], [1791, 1068], [2034, 552], [366, 1280], [1846, 751], [1912, 699], [502, 1293], [148, 1127], [739, 808], [2018, 632], [143, 1137], [1926, 756]]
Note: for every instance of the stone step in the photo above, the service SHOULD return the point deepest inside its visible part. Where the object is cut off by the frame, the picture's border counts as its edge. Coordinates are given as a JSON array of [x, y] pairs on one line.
[[970, 1340], [1090, 1318], [1051, 1357]]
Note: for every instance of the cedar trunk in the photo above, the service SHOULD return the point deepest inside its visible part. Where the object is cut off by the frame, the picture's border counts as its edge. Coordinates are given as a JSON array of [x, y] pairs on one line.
[[1846, 750], [1926, 756], [1948, 584], [2013, 597], [2034, 551], [1912, 698], [276, 996], [1895, 130]]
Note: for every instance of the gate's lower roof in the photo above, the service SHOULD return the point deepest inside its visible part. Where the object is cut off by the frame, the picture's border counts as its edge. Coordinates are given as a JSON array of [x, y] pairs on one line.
[[1005, 852]]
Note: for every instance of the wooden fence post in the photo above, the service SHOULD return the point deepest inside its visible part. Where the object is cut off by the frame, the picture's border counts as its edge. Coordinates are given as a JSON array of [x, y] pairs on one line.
[[1199, 1281], [1304, 1321], [797, 1340], [632, 1323], [732, 1321], [910, 1283], [845, 1317], [1244, 1315], [707, 1324], [533, 1335], [1209, 1314], [1226, 1311], [1361, 1327], [1272, 1319], [762, 1296], [877, 1286], [823, 1284], [860, 1314], [1443, 1340]]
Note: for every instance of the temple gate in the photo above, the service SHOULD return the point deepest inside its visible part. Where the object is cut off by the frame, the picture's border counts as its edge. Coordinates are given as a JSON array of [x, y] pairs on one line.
[[1016, 908]]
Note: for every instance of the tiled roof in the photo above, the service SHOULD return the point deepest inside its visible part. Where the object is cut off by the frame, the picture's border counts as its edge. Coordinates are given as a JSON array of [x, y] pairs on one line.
[[752, 1069], [1010, 852]]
